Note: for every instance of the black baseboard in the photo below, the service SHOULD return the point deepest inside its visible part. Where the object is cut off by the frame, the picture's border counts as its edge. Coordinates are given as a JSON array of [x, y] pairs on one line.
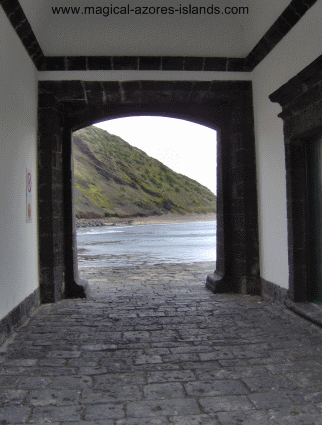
[[273, 292], [18, 315]]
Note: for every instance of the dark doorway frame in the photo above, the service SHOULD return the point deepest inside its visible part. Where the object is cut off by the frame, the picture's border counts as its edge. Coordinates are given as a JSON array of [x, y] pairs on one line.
[[66, 106], [301, 101], [314, 219]]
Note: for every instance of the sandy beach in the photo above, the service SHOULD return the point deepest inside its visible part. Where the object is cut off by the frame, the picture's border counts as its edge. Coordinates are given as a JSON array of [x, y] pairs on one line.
[[155, 219], [173, 218], [162, 219]]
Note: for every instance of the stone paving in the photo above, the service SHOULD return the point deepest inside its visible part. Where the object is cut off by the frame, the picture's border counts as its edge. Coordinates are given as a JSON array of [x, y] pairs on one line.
[[152, 346]]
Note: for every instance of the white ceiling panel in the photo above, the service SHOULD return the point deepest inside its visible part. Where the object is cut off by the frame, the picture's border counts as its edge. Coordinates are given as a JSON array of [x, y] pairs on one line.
[[157, 34]]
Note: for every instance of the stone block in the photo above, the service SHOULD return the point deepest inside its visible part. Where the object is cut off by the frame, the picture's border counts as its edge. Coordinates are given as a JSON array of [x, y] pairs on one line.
[[147, 63], [125, 63], [291, 16], [215, 64], [76, 63], [14, 414], [215, 388], [163, 391], [225, 404], [97, 63], [250, 417], [172, 63], [54, 63], [270, 400], [106, 410], [51, 397], [274, 34], [159, 408], [55, 414], [193, 63], [235, 64]]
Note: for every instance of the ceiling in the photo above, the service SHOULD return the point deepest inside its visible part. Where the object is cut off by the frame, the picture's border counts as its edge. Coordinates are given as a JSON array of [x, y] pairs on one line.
[[216, 35]]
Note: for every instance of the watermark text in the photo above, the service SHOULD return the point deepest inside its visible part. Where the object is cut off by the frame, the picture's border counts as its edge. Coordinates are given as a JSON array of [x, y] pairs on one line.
[[128, 9]]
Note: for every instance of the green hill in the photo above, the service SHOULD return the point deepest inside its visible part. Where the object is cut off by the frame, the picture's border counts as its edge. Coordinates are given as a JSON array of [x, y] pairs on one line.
[[114, 179]]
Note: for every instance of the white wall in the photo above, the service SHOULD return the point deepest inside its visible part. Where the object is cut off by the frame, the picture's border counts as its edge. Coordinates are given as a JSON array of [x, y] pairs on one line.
[[18, 150], [297, 50]]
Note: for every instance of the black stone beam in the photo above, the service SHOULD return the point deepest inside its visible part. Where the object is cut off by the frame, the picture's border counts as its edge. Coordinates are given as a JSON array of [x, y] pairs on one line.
[[291, 15]]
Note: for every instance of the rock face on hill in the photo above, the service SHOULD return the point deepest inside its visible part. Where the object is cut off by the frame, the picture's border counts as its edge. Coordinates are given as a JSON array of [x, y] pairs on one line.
[[114, 179]]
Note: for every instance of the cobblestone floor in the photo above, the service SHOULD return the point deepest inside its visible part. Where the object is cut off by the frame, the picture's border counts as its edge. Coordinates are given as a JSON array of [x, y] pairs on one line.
[[152, 346]]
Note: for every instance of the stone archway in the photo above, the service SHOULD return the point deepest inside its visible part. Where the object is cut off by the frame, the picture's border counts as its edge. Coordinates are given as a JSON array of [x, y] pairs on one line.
[[65, 106]]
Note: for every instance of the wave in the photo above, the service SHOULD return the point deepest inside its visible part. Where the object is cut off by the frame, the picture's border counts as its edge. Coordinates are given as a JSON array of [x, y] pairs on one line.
[[105, 232]]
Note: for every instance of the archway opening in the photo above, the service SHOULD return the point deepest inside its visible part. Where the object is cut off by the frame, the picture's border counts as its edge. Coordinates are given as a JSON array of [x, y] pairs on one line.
[[66, 106], [144, 192]]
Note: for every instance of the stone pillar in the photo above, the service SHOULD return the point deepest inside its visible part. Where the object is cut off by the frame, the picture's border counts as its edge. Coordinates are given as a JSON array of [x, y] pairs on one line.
[[55, 204], [237, 239], [51, 244], [74, 285]]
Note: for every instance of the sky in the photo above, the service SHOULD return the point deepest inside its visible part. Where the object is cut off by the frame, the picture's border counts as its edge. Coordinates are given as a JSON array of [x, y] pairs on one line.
[[183, 146]]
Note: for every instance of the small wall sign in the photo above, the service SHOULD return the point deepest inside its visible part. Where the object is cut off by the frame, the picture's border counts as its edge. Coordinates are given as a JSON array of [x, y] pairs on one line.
[[28, 196]]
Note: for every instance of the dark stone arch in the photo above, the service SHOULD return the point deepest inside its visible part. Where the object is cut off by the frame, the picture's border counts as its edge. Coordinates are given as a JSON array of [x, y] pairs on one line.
[[65, 106]]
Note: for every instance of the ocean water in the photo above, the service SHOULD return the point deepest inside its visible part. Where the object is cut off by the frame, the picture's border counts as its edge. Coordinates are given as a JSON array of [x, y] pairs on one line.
[[146, 244]]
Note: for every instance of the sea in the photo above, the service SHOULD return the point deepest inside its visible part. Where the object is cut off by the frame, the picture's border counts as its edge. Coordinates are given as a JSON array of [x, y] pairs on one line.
[[118, 246]]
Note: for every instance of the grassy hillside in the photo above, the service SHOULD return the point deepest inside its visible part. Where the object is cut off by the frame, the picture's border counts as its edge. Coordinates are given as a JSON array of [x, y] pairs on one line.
[[114, 179]]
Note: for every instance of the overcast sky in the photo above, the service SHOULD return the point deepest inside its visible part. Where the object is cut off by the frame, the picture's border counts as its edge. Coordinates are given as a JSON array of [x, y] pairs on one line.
[[185, 147]]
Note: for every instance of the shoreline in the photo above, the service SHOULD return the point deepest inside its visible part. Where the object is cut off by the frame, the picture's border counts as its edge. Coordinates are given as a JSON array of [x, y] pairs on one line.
[[154, 219]]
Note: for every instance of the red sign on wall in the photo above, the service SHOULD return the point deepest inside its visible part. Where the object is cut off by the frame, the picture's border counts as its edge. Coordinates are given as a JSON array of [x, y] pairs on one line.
[[28, 196]]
